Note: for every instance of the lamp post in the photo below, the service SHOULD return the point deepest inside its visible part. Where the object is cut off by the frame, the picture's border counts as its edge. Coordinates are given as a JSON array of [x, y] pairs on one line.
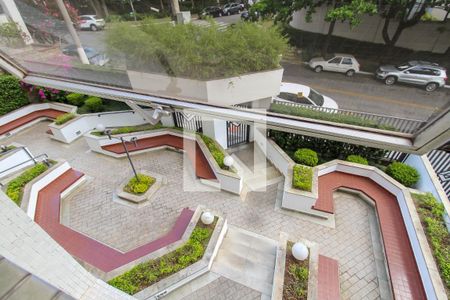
[[101, 127]]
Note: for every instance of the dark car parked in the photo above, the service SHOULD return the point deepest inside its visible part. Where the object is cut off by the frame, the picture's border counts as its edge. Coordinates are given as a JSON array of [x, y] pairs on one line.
[[213, 11]]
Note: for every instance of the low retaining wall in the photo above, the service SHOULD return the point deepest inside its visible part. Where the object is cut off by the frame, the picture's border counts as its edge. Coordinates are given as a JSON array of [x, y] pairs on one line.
[[75, 128], [177, 280], [228, 181], [32, 108], [31, 191]]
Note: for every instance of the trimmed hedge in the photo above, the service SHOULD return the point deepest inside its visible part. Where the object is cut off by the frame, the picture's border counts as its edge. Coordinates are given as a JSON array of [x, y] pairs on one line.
[[64, 118], [76, 99], [94, 104], [152, 271], [302, 178], [15, 187], [319, 115], [403, 173], [357, 159], [215, 150], [431, 214], [306, 157], [139, 187], [12, 96]]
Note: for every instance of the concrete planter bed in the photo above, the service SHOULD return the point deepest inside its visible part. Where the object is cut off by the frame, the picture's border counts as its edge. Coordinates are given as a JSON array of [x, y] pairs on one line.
[[282, 280], [159, 180], [228, 180], [166, 277], [221, 91]]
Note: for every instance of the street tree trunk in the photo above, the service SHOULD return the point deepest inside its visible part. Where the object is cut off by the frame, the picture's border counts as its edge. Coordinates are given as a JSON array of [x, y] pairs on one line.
[[175, 8], [104, 8], [326, 42], [161, 4]]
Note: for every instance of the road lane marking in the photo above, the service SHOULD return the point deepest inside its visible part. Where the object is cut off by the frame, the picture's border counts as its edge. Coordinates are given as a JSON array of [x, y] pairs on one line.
[[387, 100]]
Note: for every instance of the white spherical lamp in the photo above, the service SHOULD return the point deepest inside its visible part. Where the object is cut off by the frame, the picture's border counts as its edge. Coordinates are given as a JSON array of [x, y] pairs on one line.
[[207, 218], [300, 251], [228, 161], [100, 127]]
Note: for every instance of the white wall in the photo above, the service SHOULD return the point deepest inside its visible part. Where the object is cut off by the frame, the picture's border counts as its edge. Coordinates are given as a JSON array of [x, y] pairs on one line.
[[76, 128], [13, 159], [217, 130], [224, 92], [423, 36]]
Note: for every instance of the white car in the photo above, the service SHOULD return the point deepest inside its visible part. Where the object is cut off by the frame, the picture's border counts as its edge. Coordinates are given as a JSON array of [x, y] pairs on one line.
[[343, 63], [298, 93], [90, 22]]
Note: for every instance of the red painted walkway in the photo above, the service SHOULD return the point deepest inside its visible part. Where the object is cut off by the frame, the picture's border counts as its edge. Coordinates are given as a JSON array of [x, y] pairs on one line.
[[202, 167], [403, 271], [81, 246], [328, 287], [45, 113]]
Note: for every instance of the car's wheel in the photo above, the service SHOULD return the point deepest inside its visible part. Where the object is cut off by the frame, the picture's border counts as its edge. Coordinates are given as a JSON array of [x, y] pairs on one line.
[[431, 87], [390, 80], [318, 69], [350, 73], [93, 27]]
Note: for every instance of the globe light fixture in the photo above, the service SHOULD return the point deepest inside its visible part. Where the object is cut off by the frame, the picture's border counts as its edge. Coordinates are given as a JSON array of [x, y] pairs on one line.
[[300, 251], [207, 218], [100, 127], [228, 161]]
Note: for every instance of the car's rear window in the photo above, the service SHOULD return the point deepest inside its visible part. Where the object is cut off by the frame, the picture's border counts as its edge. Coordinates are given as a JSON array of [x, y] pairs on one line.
[[316, 97]]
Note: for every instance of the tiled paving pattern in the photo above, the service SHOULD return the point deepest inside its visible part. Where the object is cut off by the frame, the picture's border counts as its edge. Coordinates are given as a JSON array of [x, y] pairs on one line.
[[224, 289], [202, 168], [44, 113], [92, 210], [403, 269], [81, 246]]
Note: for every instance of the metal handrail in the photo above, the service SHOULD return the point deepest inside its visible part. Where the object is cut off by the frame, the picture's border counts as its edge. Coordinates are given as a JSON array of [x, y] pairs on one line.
[[115, 112], [33, 158]]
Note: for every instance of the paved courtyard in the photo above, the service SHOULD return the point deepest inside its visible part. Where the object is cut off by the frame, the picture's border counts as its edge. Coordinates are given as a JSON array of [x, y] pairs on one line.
[[91, 210]]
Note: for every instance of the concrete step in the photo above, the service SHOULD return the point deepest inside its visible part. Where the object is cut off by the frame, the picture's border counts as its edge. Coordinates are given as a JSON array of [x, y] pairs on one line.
[[264, 178], [248, 259]]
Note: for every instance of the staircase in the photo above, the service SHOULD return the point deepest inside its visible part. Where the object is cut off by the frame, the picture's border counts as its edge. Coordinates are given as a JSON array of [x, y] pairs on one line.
[[248, 259]]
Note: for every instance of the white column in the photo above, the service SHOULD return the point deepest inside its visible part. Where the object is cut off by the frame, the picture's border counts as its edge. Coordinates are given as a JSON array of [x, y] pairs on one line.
[[13, 13], [217, 130]]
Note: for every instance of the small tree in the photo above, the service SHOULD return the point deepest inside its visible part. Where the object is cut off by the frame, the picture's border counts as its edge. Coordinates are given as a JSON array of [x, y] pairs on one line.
[[340, 10], [408, 13]]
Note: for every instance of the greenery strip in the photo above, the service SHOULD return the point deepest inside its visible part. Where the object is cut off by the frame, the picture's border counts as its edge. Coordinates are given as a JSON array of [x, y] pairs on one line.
[[152, 271], [15, 187], [302, 178]]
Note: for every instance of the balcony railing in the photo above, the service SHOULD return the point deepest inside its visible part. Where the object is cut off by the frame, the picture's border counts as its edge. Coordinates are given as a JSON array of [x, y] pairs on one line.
[[351, 117]]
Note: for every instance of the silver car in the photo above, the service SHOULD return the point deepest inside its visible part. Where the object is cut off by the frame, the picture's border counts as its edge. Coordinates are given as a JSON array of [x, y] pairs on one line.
[[423, 73]]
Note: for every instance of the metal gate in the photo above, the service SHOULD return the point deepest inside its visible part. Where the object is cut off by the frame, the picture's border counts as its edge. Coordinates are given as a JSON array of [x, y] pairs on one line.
[[440, 161], [237, 133], [188, 121]]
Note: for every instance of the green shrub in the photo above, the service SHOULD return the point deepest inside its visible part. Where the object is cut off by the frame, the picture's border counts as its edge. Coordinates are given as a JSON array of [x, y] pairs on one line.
[[320, 115], [306, 157], [139, 187], [431, 214], [76, 99], [215, 150], [93, 104], [130, 129], [161, 47], [150, 272], [64, 118], [302, 178], [295, 276], [15, 187], [406, 175], [357, 159], [12, 96], [327, 149]]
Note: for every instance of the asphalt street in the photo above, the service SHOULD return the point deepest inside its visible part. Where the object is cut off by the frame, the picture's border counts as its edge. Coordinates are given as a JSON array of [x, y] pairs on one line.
[[359, 93]]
